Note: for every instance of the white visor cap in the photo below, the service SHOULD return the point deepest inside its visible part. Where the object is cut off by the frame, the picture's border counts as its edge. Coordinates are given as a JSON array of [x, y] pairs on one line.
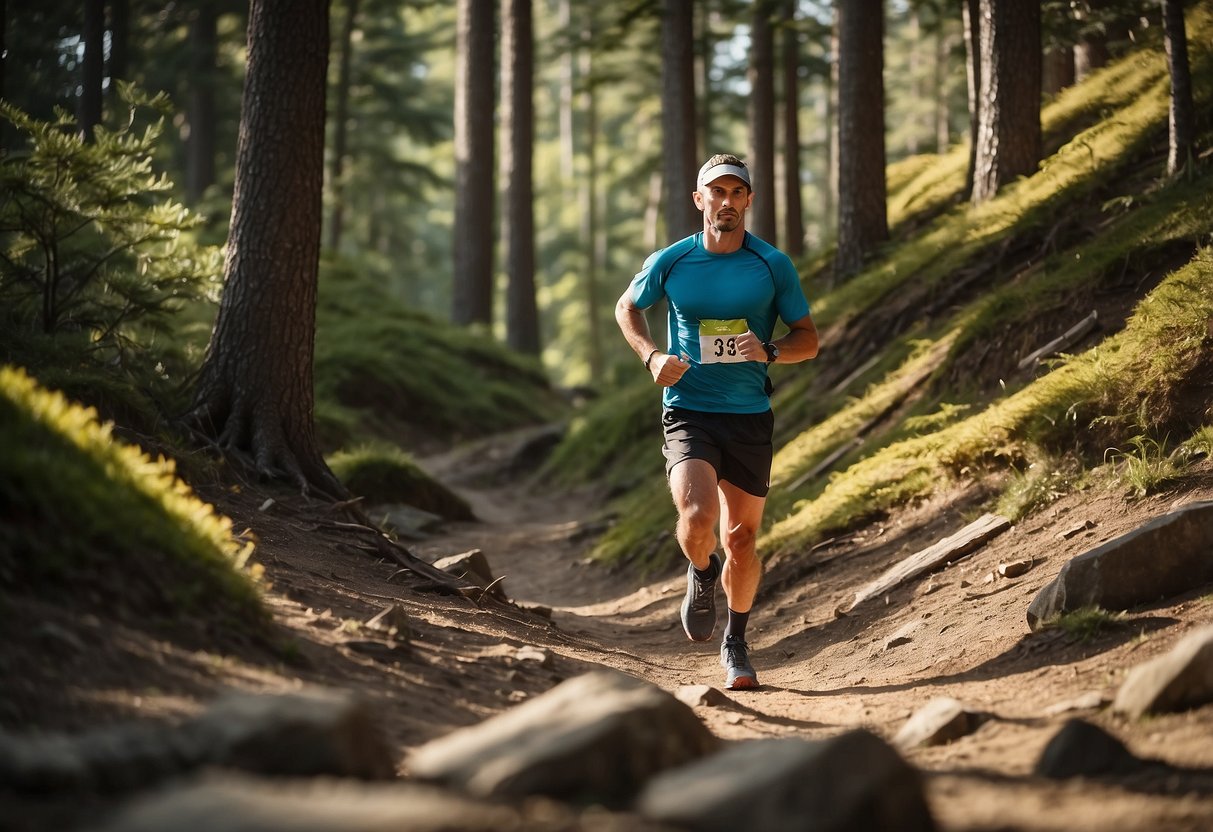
[[709, 173]]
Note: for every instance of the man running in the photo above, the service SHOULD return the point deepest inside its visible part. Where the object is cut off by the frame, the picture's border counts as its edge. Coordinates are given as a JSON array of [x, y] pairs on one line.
[[725, 288]]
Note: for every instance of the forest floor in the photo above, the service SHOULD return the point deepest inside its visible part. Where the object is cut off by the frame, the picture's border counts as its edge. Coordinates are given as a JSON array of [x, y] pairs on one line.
[[951, 633]]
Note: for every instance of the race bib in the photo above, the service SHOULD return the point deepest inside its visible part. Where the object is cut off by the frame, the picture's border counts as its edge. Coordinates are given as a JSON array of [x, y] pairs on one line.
[[718, 341]]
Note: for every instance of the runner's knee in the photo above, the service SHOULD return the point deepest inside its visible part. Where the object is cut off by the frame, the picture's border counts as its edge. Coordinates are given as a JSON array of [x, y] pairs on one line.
[[739, 541]]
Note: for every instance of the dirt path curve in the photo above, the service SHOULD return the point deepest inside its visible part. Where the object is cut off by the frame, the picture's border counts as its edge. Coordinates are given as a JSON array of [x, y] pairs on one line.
[[959, 633]]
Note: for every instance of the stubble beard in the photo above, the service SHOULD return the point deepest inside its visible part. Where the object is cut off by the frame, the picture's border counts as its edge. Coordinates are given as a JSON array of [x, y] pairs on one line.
[[726, 224]]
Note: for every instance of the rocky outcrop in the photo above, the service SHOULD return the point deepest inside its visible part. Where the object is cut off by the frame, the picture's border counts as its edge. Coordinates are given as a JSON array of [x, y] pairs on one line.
[[1165, 557], [310, 734], [249, 805], [601, 753], [1081, 749], [940, 721], [1175, 681], [595, 738], [854, 781]]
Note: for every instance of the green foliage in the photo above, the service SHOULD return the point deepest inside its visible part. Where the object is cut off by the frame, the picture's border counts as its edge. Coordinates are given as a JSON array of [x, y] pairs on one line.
[[1145, 466], [97, 258], [1036, 486], [1085, 624], [384, 473], [85, 517], [612, 442], [385, 370]]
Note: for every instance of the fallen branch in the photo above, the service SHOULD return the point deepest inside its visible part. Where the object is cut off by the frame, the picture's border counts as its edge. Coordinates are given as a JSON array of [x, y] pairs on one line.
[[1063, 342]]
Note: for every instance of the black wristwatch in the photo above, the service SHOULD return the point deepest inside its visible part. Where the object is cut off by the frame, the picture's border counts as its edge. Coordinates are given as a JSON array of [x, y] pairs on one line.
[[772, 352]]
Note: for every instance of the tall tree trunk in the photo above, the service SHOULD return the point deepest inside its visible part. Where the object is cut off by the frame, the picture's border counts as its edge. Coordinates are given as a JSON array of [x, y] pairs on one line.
[[942, 118], [3, 60], [93, 70], [473, 238], [254, 391], [678, 118], [568, 149], [200, 146], [830, 203], [1057, 73], [591, 229], [1091, 51], [120, 42], [762, 122], [970, 11], [914, 70], [862, 192], [703, 76], [1181, 122], [518, 219], [1008, 141], [341, 117], [793, 213]]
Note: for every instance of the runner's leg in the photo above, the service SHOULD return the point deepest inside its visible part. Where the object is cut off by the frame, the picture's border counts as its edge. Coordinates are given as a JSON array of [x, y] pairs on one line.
[[693, 486], [740, 519]]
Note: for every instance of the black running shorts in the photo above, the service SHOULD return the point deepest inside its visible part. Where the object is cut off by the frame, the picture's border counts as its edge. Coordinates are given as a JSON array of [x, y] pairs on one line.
[[737, 445]]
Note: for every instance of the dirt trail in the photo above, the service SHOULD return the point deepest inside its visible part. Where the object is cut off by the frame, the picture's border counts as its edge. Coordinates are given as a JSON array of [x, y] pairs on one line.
[[957, 633]]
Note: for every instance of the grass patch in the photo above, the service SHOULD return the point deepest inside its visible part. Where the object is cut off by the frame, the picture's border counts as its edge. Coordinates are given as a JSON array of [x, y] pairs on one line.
[[86, 519], [1085, 624], [386, 474], [1038, 485]]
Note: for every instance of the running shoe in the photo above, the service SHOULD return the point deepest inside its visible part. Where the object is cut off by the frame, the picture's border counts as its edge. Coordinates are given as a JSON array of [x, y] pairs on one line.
[[735, 658], [699, 605]]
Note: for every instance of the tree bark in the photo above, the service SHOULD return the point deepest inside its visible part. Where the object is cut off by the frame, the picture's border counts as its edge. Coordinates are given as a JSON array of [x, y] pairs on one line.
[[678, 118], [567, 62], [1008, 140], [254, 393], [201, 110], [793, 213], [862, 191], [970, 11], [93, 69], [472, 293], [761, 74], [1058, 70], [341, 117], [942, 117], [591, 230], [1181, 121], [120, 42], [517, 221]]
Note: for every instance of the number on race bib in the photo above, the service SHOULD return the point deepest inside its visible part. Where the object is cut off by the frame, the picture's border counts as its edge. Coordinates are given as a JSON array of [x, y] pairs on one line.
[[718, 341]]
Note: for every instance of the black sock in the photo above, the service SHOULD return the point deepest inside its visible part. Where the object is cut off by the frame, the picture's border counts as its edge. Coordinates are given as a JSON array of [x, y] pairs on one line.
[[736, 625], [707, 575]]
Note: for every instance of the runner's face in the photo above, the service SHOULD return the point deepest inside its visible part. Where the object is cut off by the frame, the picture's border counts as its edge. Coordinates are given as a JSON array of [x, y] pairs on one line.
[[724, 202]]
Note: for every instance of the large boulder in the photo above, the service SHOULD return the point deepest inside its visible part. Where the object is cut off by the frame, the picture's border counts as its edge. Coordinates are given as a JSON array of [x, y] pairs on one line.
[[1175, 681], [245, 804], [597, 738], [854, 781], [1167, 556], [1081, 749], [317, 732]]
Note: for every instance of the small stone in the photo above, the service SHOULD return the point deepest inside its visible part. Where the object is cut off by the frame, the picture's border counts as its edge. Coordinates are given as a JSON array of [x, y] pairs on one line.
[[1073, 530], [940, 721], [701, 695], [1014, 569]]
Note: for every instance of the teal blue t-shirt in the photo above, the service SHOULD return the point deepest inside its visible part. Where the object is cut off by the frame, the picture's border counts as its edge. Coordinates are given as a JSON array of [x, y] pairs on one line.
[[711, 298]]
